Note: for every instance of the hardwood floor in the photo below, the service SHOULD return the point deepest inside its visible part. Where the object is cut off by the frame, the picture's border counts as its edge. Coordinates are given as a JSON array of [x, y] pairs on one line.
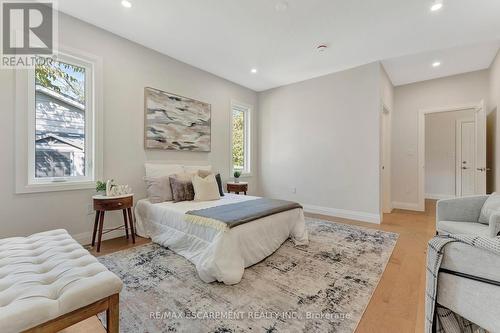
[[397, 304]]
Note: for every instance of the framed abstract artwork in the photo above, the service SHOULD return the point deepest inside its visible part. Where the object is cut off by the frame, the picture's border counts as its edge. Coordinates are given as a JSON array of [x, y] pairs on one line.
[[174, 122]]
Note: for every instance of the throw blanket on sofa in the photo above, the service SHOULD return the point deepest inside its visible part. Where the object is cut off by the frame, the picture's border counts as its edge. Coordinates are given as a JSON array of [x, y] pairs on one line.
[[439, 319], [229, 216]]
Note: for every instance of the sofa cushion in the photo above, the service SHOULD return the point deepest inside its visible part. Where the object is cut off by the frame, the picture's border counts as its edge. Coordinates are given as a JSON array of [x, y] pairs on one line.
[[468, 228], [473, 300], [461, 257], [491, 205], [46, 275], [482, 299]]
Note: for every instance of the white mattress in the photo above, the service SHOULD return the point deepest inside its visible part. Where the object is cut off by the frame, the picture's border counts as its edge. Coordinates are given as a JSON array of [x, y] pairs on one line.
[[218, 255]]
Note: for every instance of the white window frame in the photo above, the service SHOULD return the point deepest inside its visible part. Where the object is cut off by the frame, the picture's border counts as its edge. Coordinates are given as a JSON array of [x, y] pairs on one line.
[[247, 109], [26, 182]]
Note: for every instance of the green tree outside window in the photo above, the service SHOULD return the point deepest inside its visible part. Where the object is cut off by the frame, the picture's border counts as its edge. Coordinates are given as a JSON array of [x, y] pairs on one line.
[[238, 140]]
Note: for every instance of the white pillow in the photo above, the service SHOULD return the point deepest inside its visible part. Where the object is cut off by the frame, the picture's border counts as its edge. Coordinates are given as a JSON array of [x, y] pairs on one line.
[[205, 189], [491, 205], [156, 170], [194, 168]]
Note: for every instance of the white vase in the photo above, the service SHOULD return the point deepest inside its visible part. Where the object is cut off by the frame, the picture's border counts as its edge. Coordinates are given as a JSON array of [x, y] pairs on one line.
[[108, 188], [236, 180]]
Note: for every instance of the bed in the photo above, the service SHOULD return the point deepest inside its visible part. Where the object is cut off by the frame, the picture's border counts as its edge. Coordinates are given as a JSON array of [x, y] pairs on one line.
[[219, 255]]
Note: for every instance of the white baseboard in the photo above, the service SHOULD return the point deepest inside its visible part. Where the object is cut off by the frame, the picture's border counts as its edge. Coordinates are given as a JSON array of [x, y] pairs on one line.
[[435, 196], [85, 238], [406, 206], [343, 213]]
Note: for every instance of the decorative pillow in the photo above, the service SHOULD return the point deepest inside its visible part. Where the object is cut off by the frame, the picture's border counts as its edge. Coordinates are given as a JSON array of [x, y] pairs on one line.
[[204, 173], [491, 205], [158, 189], [156, 170], [182, 187], [205, 189], [219, 184]]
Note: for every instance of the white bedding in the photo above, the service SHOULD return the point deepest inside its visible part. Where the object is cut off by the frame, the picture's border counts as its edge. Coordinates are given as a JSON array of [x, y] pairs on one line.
[[218, 255]]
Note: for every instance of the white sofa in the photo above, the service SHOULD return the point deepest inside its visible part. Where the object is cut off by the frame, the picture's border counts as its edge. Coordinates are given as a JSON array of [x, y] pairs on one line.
[[461, 216], [48, 282], [469, 284]]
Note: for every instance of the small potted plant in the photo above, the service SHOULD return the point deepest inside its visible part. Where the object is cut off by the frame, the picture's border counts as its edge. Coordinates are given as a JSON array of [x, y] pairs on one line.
[[100, 187], [237, 175]]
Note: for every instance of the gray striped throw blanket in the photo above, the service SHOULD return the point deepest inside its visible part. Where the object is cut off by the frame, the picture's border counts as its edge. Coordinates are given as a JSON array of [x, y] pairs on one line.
[[439, 319], [229, 216]]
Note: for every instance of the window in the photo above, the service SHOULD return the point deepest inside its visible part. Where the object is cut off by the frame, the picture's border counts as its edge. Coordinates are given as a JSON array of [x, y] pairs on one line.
[[60, 113], [240, 138]]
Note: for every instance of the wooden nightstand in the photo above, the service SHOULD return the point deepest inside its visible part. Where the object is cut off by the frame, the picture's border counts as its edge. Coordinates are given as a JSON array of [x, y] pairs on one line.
[[237, 187], [102, 204]]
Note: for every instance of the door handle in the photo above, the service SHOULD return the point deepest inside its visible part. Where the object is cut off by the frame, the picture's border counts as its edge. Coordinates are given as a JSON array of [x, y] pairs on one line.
[[481, 169], [465, 168]]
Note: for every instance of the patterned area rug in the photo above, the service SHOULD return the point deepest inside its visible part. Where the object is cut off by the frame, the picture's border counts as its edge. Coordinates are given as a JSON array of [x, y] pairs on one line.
[[324, 287]]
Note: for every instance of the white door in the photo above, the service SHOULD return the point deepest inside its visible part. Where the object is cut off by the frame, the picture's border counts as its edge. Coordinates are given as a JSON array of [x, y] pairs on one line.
[[467, 159], [480, 138]]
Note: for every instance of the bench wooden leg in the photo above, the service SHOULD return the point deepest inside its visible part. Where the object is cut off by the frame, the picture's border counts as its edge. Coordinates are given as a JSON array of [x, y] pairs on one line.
[[113, 314], [109, 304]]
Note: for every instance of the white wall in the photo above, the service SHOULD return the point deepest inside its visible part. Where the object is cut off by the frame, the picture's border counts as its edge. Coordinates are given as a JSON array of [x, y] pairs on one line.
[[387, 101], [128, 68], [408, 100], [321, 137], [386, 89], [494, 136], [440, 152]]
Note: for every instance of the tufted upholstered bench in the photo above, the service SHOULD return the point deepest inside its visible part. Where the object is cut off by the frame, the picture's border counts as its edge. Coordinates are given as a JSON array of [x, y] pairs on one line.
[[49, 282]]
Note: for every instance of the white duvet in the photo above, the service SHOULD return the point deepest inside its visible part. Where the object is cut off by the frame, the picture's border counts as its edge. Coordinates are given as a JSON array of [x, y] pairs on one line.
[[218, 255]]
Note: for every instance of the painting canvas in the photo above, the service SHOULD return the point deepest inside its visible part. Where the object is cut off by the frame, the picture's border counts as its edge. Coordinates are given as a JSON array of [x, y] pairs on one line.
[[173, 122]]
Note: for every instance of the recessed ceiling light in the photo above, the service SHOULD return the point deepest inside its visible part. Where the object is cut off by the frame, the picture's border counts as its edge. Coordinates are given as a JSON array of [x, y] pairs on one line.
[[436, 6], [436, 64], [281, 6], [253, 71], [126, 4]]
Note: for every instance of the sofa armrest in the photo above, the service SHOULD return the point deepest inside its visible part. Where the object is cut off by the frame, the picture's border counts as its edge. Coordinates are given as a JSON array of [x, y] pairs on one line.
[[466, 209], [494, 224]]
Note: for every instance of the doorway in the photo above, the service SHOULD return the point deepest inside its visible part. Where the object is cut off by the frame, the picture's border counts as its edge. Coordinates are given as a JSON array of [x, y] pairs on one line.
[[385, 160], [465, 163], [441, 169]]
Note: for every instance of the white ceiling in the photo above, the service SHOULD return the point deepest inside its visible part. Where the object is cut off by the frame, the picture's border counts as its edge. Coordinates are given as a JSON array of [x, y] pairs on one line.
[[229, 37], [457, 60]]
